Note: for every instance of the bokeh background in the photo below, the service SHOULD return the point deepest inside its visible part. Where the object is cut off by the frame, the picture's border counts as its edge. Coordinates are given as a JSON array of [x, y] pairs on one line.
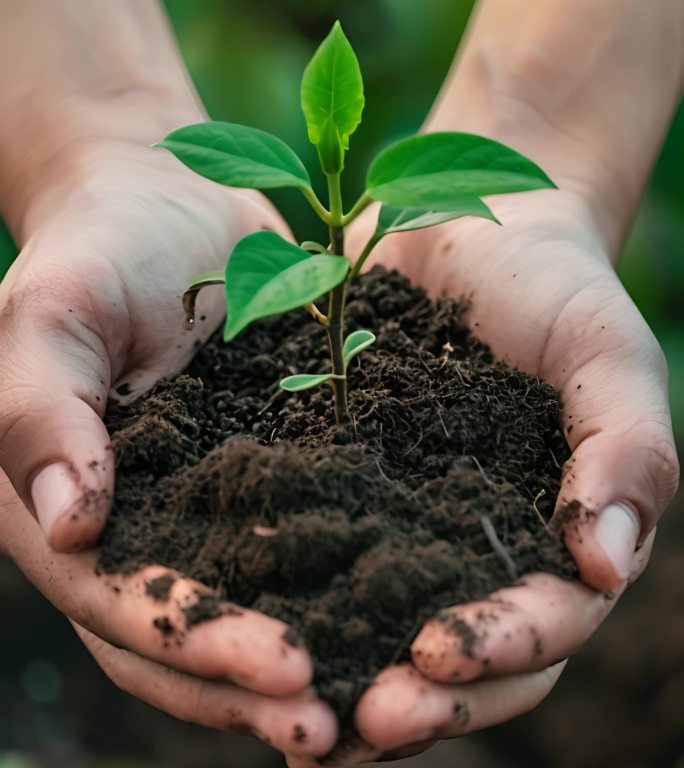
[[620, 703]]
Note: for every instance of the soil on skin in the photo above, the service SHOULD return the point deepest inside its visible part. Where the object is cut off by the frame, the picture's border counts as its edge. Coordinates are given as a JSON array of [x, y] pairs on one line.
[[433, 497]]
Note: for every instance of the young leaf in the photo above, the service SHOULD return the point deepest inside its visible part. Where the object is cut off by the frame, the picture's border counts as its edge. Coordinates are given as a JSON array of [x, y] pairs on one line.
[[190, 296], [332, 97], [312, 245], [237, 155], [330, 149], [354, 343], [266, 275], [437, 170], [301, 381], [393, 219]]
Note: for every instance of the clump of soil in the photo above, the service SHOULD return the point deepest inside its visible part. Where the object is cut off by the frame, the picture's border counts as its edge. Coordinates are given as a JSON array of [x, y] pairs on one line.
[[436, 495]]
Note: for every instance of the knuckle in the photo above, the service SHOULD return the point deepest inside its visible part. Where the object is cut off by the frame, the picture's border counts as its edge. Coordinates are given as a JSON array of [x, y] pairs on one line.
[[665, 453], [655, 437], [653, 443], [666, 470]]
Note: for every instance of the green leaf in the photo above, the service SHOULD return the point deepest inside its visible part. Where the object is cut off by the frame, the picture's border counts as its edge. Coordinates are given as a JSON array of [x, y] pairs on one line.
[[207, 278], [266, 275], [332, 97], [437, 170], [354, 343], [237, 155], [301, 381], [331, 149], [312, 245], [393, 219]]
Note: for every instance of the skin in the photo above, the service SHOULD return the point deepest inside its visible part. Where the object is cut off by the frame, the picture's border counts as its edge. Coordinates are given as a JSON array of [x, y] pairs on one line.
[[93, 302], [89, 204], [75, 328], [545, 297]]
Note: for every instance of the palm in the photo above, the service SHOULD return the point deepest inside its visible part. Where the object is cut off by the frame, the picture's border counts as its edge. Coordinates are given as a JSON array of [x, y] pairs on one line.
[[531, 282], [544, 296], [542, 293], [120, 254], [93, 301]]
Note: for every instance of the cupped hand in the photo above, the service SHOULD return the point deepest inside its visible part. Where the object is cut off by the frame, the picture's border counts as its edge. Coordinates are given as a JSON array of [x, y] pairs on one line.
[[236, 672], [93, 303], [543, 294]]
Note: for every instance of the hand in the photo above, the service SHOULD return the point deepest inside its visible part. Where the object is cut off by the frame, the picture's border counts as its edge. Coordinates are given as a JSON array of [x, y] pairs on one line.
[[234, 673], [93, 301], [545, 298]]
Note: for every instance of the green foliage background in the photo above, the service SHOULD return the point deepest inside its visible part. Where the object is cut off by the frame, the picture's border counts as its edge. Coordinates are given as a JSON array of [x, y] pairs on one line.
[[247, 56]]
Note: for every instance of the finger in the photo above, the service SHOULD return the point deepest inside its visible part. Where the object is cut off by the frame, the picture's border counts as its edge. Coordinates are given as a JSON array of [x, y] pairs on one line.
[[350, 750], [522, 628], [295, 761], [54, 379], [517, 629], [615, 486], [407, 751], [641, 557], [583, 335], [403, 707], [190, 629], [174, 345], [161, 616], [345, 757], [300, 725], [623, 470]]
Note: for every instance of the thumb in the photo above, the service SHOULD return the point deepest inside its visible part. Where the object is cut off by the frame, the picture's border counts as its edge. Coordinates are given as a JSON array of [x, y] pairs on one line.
[[622, 474], [616, 485], [53, 445]]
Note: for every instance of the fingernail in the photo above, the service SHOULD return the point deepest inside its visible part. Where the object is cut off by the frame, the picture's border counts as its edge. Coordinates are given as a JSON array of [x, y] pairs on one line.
[[617, 531], [54, 491]]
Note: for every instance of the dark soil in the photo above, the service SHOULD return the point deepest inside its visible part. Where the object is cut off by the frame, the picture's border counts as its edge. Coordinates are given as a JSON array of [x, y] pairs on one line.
[[436, 495]]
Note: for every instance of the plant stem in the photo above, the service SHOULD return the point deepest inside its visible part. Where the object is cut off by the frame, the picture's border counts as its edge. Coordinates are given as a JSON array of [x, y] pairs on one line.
[[336, 340], [362, 203], [316, 204], [335, 201], [336, 306], [365, 253]]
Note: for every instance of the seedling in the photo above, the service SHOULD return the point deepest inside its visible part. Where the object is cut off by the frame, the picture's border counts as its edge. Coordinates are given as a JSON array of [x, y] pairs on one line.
[[420, 181]]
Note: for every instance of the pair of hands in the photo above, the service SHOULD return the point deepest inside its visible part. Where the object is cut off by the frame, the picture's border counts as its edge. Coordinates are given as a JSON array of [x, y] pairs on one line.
[[94, 299]]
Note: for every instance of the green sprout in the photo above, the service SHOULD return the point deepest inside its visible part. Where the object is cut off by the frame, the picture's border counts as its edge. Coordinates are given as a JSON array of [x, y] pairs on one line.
[[421, 181]]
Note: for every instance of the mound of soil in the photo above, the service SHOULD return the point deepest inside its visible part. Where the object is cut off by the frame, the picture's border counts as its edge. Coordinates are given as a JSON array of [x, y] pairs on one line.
[[437, 494]]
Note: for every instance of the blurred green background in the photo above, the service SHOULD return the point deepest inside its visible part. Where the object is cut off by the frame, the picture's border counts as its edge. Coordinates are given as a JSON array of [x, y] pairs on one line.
[[620, 703]]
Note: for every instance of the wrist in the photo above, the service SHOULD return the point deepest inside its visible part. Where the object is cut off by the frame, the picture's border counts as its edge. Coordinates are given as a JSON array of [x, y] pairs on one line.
[[590, 101], [606, 195]]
